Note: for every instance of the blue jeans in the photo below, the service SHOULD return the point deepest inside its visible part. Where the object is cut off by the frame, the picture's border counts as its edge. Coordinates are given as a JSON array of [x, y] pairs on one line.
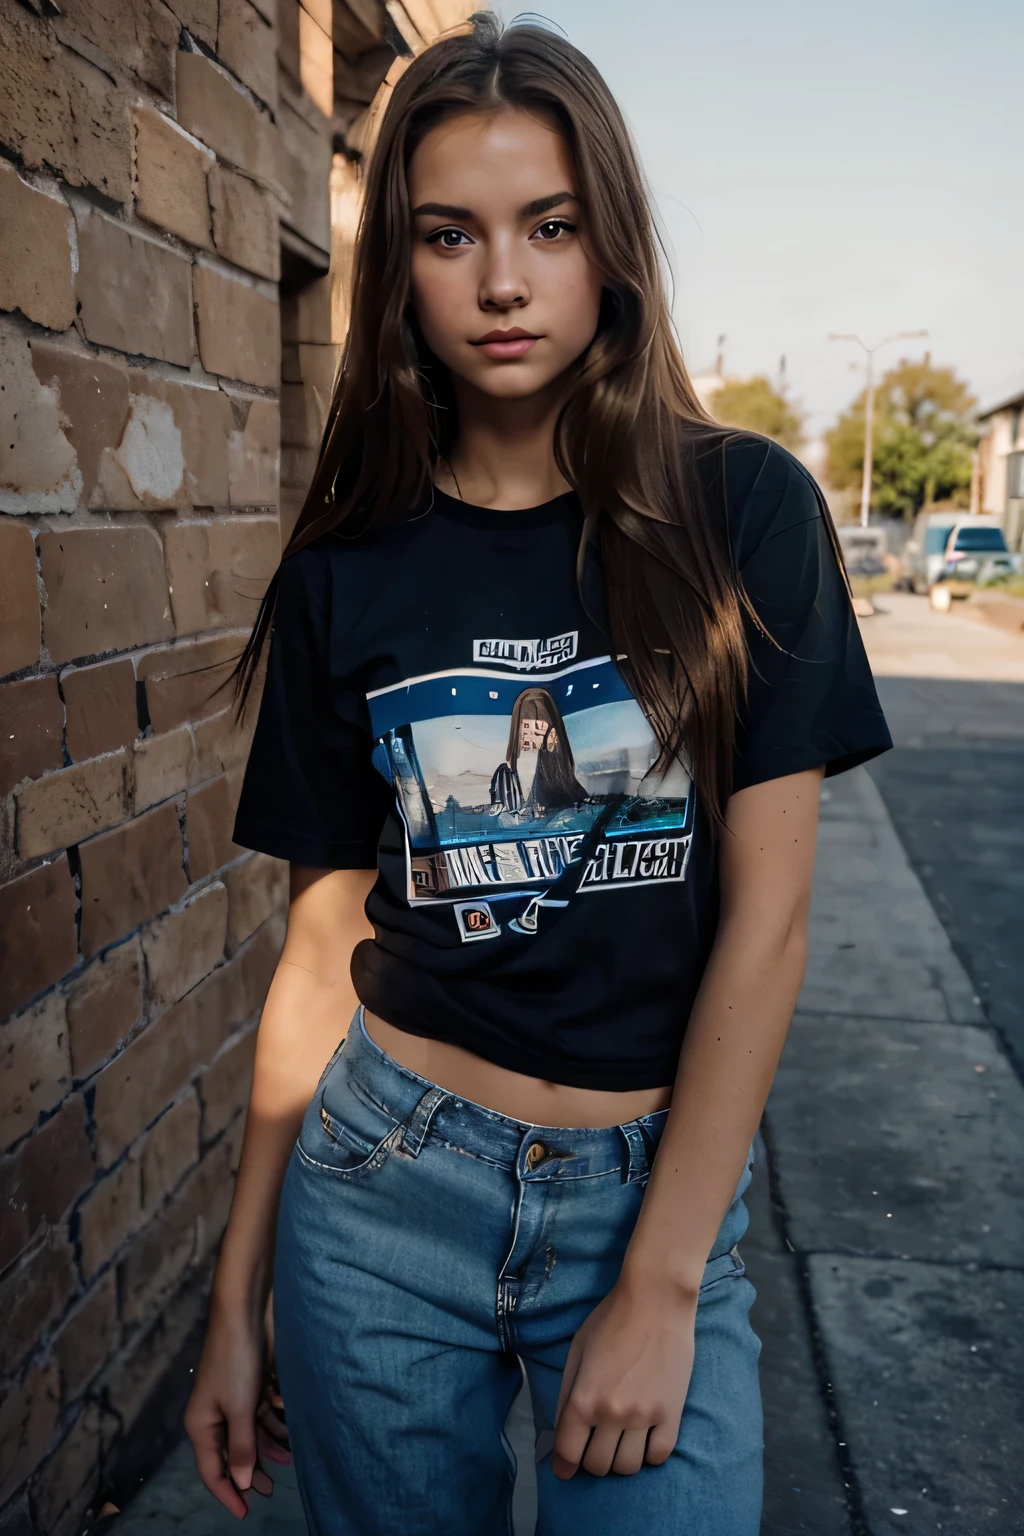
[[425, 1246]]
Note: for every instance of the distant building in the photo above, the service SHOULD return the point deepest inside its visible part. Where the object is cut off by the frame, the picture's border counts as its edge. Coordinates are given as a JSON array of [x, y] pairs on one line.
[[1001, 465]]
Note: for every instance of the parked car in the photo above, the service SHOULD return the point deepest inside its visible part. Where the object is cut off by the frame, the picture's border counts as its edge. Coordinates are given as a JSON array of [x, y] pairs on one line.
[[975, 556], [864, 549], [924, 553]]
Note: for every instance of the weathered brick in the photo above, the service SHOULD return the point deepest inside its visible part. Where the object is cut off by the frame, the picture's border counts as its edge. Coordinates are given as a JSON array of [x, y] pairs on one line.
[[103, 1006], [182, 946], [189, 680], [106, 590], [256, 887], [157, 1065], [305, 156], [100, 706], [200, 17], [259, 961], [33, 1295], [224, 1086], [219, 571], [318, 366], [245, 223], [213, 108], [206, 1016], [87, 1336], [306, 315], [70, 1474], [65, 807], [91, 395], [37, 933], [28, 1417], [316, 62], [138, 1372], [222, 742], [239, 334], [254, 453], [163, 766], [140, 35], [141, 441], [19, 599], [35, 1068], [35, 252], [134, 294], [204, 417], [38, 468], [183, 1230], [303, 415], [247, 45], [209, 818], [109, 1214], [129, 875], [170, 1150], [40, 1180], [170, 178], [33, 725], [60, 111]]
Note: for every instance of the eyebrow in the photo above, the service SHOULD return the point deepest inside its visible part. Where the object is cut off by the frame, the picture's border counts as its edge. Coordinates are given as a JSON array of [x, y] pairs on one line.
[[527, 211]]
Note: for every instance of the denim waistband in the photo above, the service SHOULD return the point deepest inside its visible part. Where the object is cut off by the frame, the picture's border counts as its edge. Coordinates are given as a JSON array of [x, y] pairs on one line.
[[539, 1151]]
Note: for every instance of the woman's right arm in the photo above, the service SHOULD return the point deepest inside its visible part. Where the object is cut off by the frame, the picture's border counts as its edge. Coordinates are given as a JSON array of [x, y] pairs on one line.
[[308, 1008]]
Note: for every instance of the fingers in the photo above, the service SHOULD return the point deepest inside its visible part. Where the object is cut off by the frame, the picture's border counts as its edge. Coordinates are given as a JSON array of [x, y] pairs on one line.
[[630, 1452], [241, 1449], [572, 1434], [661, 1443], [208, 1445]]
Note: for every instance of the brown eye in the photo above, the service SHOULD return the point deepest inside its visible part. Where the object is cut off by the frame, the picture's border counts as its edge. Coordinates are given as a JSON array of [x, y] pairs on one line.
[[448, 239], [552, 228]]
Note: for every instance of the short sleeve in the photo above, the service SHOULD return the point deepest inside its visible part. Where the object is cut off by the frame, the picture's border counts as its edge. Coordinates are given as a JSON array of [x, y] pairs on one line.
[[811, 699], [310, 793]]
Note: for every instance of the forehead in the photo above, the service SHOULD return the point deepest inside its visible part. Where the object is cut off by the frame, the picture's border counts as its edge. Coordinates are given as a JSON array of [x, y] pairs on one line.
[[490, 161]]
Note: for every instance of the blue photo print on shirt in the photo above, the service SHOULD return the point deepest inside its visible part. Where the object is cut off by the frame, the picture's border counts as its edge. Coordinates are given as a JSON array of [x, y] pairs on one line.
[[499, 779]]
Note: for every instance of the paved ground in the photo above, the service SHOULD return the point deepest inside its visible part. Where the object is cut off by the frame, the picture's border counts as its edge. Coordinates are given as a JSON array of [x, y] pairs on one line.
[[887, 1240]]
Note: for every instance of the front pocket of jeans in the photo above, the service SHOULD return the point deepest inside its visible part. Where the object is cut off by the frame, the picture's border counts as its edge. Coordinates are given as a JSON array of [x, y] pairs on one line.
[[351, 1139]]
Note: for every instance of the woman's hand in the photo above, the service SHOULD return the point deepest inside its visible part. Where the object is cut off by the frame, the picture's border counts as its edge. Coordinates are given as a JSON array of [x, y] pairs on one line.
[[625, 1381], [221, 1416]]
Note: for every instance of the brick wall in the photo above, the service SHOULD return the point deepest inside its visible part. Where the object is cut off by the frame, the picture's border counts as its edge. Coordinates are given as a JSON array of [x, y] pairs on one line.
[[179, 184]]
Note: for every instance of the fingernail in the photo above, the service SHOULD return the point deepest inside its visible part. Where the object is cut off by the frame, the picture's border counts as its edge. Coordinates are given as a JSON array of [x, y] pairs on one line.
[[241, 1477]]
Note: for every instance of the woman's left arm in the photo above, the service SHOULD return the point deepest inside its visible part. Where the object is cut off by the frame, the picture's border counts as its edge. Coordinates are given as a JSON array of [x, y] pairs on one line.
[[628, 1370]]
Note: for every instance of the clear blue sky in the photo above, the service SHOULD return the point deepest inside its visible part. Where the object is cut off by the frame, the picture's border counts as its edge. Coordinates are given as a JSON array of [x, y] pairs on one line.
[[822, 166]]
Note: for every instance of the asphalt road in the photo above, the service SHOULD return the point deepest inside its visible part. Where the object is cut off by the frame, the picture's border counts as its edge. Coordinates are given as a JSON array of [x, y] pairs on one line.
[[954, 785]]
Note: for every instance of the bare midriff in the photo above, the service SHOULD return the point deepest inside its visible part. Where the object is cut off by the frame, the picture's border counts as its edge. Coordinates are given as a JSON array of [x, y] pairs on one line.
[[531, 1099]]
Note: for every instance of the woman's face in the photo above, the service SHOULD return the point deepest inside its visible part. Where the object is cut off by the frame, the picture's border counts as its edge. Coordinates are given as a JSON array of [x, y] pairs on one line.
[[497, 250]]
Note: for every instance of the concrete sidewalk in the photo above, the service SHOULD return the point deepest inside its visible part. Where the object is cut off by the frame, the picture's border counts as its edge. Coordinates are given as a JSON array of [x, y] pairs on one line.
[[885, 1239]]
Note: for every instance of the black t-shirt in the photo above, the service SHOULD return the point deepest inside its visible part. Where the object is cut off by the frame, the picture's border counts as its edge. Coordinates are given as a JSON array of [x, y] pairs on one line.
[[440, 704]]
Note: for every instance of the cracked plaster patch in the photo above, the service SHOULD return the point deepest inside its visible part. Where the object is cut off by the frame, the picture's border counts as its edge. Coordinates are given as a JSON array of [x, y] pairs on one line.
[[38, 467], [150, 452]]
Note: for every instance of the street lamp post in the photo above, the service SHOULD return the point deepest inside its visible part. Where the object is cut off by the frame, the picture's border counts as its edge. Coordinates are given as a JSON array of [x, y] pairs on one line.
[[869, 407]]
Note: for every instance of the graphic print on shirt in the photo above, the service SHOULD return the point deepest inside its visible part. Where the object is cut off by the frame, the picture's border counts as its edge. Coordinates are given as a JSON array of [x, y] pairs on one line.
[[500, 778]]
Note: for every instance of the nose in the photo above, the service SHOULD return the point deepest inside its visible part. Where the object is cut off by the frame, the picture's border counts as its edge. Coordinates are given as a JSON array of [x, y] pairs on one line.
[[503, 285]]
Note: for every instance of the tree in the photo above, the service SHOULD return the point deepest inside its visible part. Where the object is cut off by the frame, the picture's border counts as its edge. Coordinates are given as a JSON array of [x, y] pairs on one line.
[[754, 405], [923, 440]]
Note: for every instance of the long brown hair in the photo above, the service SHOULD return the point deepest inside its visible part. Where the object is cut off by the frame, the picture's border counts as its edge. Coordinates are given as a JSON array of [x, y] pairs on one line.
[[629, 436]]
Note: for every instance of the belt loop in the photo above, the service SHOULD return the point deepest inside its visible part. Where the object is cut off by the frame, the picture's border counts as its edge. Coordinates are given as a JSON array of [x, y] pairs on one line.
[[638, 1163], [414, 1132]]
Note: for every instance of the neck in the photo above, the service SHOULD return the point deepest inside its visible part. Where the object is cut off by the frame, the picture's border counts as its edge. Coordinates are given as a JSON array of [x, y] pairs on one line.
[[504, 455]]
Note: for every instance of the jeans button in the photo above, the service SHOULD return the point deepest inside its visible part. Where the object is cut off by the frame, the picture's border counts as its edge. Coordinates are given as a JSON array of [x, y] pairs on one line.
[[535, 1154]]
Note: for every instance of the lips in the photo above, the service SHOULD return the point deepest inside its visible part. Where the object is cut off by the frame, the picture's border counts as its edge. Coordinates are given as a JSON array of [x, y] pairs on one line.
[[506, 344]]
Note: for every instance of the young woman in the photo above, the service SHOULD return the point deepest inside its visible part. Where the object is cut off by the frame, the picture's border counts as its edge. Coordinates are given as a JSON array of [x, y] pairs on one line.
[[531, 1149]]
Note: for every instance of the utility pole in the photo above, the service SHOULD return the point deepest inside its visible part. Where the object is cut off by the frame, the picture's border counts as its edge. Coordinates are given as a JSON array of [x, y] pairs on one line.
[[869, 407]]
